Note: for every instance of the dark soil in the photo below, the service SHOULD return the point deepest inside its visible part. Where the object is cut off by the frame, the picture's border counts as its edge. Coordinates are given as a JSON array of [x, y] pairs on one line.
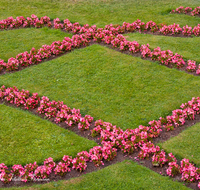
[[164, 135]]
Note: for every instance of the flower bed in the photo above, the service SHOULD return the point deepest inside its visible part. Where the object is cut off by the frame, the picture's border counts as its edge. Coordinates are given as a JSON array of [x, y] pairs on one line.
[[112, 139]]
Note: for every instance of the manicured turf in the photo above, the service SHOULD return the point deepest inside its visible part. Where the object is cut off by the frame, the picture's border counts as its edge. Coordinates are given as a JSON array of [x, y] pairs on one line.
[[27, 138], [108, 85], [186, 144], [101, 12], [118, 88], [187, 47], [125, 175], [14, 42]]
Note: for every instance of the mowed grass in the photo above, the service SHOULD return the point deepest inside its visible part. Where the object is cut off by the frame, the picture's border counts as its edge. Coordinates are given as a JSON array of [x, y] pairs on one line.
[[126, 175], [186, 144], [117, 88], [17, 41], [26, 138], [101, 12], [109, 85], [187, 47]]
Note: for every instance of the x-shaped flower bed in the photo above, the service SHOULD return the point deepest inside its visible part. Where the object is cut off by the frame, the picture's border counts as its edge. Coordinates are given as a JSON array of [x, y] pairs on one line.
[[112, 137]]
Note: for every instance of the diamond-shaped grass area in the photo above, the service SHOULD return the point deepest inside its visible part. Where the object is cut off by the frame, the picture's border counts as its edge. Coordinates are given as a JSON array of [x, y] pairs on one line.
[[124, 175], [26, 138], [108, 85], [186, 144]]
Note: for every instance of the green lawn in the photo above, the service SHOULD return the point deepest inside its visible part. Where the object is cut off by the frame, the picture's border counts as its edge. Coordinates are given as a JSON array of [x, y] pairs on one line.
[[26, 138], [126, 175], [101, 12], [117, 88], [186, 144]]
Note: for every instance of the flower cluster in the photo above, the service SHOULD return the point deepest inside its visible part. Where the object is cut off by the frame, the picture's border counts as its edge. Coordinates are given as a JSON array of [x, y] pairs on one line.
[[173, 169], [181, 9], [171, 29], [79, 163], [147, 149], [187, 31], [198, 70], [64, 165], [191, 66], [159, 159], [189, 171], [164, 57], [20, 21], [196, 11], [51, 109], [5, 175], [196, 30]]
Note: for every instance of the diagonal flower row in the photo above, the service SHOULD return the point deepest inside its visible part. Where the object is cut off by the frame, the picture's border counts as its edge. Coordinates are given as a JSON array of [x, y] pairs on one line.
[[187, 10], [112, 139], [109, 36]]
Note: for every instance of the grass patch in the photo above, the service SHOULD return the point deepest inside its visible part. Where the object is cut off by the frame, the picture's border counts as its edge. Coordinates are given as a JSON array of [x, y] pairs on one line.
[[117, 88], [187, 47], [124, 175], [17, 41], [101, 12], [186, 144], [27, 138]]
